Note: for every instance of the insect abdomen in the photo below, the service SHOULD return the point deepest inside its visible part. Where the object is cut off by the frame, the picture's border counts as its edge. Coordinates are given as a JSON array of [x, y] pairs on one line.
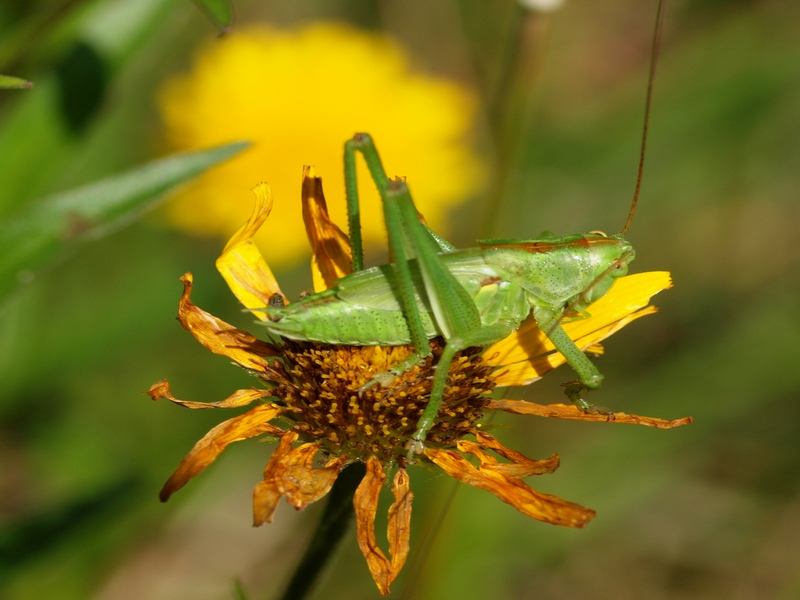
[[332, 321]]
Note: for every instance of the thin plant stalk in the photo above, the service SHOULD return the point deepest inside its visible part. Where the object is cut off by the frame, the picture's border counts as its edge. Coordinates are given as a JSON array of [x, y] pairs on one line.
[[331, 528]]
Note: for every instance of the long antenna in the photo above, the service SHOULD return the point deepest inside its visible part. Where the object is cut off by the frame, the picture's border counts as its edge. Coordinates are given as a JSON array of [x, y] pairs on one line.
[[648, 102]]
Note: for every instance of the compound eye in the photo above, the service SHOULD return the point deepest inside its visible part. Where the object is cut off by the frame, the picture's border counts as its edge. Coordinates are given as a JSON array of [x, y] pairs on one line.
[[600, 233], [621, 268]]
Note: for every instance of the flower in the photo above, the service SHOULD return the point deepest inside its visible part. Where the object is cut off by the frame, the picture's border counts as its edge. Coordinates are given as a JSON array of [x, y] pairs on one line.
[[278, 88], [329, 421]]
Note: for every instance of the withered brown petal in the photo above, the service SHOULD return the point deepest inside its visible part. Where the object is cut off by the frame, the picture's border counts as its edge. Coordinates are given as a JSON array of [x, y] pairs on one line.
[[222, 338], [511, 490], [291, 473], [570, 411], [520, 466], [399, 530], [365, 502], [238, 398], [331, 255], [266, 494], [250, 424]]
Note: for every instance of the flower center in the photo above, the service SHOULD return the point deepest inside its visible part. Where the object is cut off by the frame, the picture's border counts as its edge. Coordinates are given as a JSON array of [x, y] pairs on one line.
[[327, 404]]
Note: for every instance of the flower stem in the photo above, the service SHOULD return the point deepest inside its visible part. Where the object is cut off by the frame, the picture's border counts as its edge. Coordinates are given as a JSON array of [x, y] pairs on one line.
[[330, 529]]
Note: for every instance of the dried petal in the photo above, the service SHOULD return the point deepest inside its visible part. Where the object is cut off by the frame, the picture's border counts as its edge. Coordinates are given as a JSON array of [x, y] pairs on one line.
[[242, 265], [161, 390], [222, 338], [290, 473], [511, 490], [521, 465], [399, 530], [366, 505], [331, 256], [250, 424], [266, 495], [570, 411]]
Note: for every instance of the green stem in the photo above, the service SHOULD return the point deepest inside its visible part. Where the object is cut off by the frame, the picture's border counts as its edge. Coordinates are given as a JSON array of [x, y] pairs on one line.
[[330, 529]]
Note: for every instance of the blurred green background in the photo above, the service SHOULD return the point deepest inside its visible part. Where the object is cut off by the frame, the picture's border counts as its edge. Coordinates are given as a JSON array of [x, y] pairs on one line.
[[711, 510]]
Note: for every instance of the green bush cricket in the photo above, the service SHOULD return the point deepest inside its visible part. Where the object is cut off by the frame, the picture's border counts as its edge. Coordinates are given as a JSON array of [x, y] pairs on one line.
[[472, 297]]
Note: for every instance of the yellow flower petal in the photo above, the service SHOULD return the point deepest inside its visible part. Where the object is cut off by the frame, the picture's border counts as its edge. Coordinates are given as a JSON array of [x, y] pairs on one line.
[[527, 354], [241, 263], [529, 370], [222, 338], [331, 256], [570, 411], [629, 294], [252, 423]]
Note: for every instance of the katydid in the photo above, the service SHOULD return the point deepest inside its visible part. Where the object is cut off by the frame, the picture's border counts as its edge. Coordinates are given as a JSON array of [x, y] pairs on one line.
[[472, 297]]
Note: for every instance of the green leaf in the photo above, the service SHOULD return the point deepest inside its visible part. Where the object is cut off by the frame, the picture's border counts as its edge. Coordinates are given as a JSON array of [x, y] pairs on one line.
[[53, 225], [13, 83], [238, 590], [219, 12]]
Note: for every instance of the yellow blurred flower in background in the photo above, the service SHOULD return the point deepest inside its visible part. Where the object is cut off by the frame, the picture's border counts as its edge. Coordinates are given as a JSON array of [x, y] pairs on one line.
[[295, 92]]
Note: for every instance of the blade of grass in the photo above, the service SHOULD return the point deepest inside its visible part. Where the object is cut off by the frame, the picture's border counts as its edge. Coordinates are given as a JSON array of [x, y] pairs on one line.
[[48, 228], [13, 83], [219, 12]]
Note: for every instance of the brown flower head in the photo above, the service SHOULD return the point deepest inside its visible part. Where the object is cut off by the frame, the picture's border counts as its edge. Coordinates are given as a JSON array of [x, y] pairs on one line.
[[327, 420]]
